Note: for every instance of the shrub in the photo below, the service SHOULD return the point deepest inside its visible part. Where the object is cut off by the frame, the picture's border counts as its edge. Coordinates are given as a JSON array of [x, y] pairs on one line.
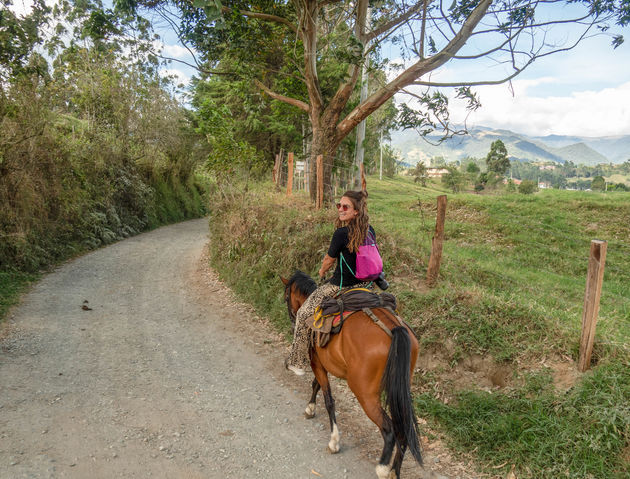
[[527, 187]]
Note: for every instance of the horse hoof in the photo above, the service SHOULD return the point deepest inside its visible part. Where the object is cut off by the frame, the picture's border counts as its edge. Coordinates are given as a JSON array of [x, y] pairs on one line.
[[309, 412]]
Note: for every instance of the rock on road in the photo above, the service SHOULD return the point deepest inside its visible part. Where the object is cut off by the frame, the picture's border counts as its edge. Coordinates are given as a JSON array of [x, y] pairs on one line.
[[128, 362]]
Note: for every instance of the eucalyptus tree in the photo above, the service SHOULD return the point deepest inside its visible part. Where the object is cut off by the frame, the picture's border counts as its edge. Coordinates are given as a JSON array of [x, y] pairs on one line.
[[497, 160], [19, 36], [309, 53]]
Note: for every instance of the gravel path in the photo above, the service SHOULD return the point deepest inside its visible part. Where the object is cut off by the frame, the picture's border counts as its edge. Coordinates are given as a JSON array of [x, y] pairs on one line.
[[135, 361]]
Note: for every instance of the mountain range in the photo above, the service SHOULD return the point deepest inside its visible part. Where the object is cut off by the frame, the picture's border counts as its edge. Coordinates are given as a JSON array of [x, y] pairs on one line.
[[556, 148]]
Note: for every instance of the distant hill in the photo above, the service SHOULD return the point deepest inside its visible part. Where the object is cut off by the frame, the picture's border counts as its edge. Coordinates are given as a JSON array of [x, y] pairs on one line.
[[557, 148], [583, 151]]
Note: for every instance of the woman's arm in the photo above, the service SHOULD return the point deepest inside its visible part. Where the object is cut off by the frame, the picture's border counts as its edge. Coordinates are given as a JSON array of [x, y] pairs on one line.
[[327, 263]]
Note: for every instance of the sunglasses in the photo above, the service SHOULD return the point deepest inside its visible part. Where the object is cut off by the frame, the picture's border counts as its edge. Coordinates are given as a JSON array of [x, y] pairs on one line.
[[343, 207]]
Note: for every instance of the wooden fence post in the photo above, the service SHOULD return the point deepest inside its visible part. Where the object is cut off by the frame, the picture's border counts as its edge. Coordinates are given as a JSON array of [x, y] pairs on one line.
[[275, 169], [436, 244], [307, 174], [279, 176], [594, 280], [320, 182], [363, 182], [290, 174]]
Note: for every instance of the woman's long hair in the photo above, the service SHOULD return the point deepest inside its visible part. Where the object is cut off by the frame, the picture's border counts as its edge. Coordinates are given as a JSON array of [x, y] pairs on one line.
[[357, 226]]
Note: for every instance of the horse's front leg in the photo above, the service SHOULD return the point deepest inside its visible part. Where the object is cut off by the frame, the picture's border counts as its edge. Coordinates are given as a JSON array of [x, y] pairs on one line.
[[309, 412], [321, 376]]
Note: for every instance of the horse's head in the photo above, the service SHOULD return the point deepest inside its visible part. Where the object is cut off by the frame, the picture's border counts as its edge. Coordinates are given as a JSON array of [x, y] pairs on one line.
[[296, 289]]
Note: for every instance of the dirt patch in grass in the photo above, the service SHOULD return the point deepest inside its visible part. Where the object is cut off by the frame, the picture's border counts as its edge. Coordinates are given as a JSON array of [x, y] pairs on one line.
[[436, 372], [564, 374]]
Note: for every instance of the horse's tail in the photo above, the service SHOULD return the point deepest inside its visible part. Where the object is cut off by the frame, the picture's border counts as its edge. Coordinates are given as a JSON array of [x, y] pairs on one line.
[[396, 383]]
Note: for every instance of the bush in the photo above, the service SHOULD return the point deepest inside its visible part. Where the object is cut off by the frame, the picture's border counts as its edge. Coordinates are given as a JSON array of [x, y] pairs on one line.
[[527, 187]]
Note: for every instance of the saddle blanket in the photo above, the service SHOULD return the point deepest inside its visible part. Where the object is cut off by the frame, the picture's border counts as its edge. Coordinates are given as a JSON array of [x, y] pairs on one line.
[[328, 318]]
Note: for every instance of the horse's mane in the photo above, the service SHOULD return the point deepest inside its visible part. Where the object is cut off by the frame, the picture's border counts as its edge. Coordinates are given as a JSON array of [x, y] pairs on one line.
[[303, 283]]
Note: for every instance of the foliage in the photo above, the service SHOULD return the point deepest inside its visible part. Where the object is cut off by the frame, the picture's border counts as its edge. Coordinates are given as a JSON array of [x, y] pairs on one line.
[[228, 153], [454, 179], [527, 187], [420, 173], [568, 175], [93, 148], [309, 55], [19, 35], [390, 161], [472, 168], [497, 160], [598, 184]]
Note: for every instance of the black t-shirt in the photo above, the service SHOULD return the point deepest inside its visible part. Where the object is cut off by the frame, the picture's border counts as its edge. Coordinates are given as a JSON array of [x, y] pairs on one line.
[[339, 244]]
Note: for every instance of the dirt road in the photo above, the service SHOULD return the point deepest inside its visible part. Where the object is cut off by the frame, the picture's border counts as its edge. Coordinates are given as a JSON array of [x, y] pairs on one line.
[[134, 361]]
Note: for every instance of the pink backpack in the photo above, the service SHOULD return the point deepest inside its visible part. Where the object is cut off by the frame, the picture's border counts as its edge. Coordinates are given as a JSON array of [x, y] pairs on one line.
[[369, 261]]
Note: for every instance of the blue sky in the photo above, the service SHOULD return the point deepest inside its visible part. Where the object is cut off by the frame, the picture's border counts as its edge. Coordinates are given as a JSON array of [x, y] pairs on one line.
[[585, 91]]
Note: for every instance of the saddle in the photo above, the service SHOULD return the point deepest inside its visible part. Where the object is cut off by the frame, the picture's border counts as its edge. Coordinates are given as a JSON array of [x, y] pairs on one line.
[[332, 312]]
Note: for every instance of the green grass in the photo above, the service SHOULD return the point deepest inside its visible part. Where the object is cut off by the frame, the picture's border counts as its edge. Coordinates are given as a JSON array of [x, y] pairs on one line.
[[12, 285], [510, 290], [580, 434]]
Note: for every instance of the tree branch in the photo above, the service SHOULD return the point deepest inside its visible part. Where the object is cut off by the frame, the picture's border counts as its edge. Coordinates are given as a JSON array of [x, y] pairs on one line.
[[414, 72], [263, 16], [394, 22], [276, 96]]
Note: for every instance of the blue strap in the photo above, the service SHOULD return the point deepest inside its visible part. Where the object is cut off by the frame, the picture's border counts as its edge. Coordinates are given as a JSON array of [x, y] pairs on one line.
[[342, 260]]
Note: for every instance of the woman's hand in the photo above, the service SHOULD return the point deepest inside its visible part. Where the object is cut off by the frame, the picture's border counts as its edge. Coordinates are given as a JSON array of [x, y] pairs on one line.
[[326, 265]]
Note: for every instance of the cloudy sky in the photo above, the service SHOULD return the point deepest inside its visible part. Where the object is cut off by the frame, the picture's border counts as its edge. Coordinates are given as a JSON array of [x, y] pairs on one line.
[[582, 92]]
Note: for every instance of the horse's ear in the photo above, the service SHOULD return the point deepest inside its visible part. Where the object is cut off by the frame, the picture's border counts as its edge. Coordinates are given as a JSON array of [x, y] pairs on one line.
[[285, 281]]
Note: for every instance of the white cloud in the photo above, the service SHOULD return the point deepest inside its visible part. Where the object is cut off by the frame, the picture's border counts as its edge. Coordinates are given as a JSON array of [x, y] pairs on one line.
[[178, 74], [21, 7], [176, 51], [589, 112]]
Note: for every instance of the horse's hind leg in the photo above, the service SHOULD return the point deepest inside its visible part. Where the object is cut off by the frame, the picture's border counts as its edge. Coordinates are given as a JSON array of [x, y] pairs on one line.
[[321, 376], [398, 459], [371, 404], [309, 412]]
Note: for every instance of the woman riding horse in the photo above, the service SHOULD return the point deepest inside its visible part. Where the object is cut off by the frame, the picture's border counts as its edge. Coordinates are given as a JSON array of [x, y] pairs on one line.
[[375, 351], [352, 226]]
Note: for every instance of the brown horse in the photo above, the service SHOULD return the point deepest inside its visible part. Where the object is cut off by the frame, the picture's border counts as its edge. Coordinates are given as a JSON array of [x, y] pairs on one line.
[[371, 362]]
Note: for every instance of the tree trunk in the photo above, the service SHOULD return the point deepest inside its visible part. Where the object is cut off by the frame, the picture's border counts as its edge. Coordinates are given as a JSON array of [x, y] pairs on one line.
[[325, 143]]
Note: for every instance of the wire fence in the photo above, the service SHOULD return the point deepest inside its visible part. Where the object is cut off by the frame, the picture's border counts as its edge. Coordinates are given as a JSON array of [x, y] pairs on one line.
[[296, 169]]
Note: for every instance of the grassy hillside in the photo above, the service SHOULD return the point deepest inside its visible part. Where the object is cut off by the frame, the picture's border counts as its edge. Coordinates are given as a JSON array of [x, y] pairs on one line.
[[500, 331]]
